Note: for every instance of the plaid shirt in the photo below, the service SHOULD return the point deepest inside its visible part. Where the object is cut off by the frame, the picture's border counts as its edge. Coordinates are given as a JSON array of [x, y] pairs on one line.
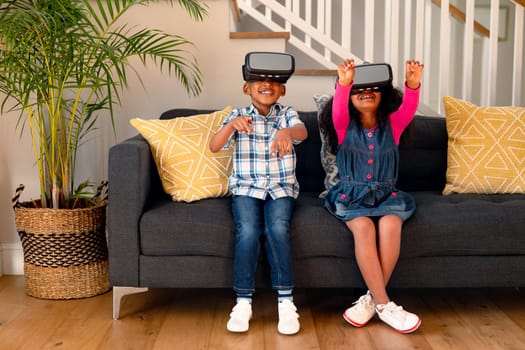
[[256, 172]]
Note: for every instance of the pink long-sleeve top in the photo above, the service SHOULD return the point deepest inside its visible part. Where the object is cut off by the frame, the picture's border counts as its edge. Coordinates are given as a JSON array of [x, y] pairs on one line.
[[399, 119]]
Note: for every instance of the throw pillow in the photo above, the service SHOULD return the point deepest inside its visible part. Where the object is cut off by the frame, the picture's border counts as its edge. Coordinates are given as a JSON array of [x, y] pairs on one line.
[[486, 148], [327, 158], [188, 170]]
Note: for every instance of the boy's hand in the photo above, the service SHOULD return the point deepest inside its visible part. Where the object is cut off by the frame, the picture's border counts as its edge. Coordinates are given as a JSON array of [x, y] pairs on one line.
[[414, 69], [282, 143], [346, 72], [242, 124]]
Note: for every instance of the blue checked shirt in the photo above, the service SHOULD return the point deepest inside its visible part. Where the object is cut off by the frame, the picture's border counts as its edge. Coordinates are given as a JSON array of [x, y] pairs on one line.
[[256, 172]]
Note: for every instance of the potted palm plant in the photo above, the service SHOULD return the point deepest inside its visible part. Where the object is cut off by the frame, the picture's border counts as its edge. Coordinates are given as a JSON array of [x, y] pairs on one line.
[[63, 64]]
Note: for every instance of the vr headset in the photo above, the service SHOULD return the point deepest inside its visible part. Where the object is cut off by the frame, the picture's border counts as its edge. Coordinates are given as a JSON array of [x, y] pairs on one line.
[[259, 66], [371, 76]]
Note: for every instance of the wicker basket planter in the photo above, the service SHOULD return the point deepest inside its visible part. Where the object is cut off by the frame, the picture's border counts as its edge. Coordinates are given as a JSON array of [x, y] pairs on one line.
[[65, 250]]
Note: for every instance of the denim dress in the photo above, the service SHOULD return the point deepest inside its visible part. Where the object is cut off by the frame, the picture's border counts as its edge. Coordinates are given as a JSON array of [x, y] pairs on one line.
[[368, 162]]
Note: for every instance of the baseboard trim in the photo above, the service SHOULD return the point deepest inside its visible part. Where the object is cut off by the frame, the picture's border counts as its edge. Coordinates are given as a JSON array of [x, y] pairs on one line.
[[11, 259]]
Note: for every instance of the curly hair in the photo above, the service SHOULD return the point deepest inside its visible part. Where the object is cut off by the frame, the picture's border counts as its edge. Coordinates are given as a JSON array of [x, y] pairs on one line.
[[391, 99]]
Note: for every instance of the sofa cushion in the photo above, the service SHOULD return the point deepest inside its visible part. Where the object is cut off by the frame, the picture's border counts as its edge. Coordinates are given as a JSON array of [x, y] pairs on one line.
[[317, 233], [486, 148], [178, 229], [173, 228], [423, 155], [423, 158], [202, 227], [189, 171], [464, 224], [327, 158], [457, 225], [308, 170]]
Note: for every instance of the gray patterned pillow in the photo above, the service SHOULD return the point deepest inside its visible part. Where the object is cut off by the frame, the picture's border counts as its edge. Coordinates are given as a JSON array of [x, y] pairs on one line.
[[327, 158]]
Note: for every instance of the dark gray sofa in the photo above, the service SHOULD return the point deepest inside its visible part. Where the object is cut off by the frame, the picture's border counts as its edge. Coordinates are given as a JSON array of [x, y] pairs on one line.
[[461, 240]]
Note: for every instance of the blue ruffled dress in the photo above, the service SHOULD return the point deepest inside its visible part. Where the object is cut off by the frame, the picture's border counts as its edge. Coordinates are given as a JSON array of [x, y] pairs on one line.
[[368, 162]]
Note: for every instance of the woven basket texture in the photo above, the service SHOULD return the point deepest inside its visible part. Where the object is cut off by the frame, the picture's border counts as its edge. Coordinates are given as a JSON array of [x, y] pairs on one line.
[[65, 251]]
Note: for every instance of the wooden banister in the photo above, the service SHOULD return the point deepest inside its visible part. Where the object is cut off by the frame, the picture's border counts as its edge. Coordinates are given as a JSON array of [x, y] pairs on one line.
[[460, 15], [236, 11], [520, 2]]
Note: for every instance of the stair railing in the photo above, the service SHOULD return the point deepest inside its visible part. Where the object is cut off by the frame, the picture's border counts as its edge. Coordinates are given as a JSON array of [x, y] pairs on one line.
[[460, 53]]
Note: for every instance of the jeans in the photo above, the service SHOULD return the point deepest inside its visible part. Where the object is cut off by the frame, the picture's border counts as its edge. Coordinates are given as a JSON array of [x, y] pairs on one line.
[[271, 219]]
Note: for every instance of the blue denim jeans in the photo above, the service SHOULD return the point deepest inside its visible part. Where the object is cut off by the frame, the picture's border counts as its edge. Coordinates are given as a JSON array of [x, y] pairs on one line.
[[271, 219]]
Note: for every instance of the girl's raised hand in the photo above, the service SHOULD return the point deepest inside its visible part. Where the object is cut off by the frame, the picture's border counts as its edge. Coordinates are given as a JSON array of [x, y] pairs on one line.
[[345, 71], [414, 69]]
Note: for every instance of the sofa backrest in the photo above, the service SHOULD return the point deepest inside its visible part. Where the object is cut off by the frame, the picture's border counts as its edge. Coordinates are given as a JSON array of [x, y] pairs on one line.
[[423, 160], [309, 170]]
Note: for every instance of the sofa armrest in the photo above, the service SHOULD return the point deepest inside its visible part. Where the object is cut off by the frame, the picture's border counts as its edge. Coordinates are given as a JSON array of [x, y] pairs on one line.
[[131, 168]]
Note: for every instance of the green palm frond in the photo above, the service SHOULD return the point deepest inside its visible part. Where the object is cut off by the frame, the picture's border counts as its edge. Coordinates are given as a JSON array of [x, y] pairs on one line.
[[63, 64]]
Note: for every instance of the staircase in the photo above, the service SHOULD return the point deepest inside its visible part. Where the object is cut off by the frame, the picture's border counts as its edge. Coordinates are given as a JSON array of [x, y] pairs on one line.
[[471, 52]]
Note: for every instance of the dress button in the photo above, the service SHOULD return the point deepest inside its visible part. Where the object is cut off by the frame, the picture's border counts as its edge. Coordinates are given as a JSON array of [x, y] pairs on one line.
[[371, 147], [370, 161], [370, 134], [368, 176]]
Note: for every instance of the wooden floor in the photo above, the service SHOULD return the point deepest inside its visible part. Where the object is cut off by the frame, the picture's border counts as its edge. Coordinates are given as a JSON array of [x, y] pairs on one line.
[[196, 319]]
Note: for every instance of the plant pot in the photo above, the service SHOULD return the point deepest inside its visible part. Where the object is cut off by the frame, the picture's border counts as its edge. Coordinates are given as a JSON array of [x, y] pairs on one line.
[[65, 250]]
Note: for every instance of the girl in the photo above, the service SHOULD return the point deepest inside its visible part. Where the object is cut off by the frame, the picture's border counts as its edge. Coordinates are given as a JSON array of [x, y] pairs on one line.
[[368, 124]]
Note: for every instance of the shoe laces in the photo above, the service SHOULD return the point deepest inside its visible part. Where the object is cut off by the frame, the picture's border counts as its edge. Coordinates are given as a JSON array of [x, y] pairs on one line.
[[364, 302], [394, 311]]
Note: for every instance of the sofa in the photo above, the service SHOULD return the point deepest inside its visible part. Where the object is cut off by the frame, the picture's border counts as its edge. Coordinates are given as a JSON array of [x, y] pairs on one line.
[[457, 240]]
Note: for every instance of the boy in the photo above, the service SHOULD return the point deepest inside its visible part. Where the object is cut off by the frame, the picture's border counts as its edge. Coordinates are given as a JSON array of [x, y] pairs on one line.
[[264, 189]]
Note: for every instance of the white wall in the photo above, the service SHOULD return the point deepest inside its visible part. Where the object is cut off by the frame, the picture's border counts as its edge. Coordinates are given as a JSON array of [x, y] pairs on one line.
[[220, 60]]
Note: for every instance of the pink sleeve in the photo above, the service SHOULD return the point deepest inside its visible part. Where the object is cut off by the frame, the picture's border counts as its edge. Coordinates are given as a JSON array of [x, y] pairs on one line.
[[404, 115], [340, 113]]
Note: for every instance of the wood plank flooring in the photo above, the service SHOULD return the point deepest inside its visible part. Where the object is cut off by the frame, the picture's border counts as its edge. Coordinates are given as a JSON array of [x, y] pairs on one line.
[[196, 319]]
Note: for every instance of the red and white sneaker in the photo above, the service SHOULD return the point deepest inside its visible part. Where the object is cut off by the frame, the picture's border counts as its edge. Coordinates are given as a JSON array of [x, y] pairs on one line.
[[397, 318], [361, 312]]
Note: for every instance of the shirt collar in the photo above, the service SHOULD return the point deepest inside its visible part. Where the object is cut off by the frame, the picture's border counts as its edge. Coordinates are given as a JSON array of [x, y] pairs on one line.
[[274, 109]]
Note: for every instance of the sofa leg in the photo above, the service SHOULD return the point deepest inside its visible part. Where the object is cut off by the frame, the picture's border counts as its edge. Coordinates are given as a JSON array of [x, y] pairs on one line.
[[119, 292]]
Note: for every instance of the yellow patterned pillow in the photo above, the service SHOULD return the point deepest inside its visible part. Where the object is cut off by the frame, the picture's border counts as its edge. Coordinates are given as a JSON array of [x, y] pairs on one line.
[[486, 148], [189, 171]]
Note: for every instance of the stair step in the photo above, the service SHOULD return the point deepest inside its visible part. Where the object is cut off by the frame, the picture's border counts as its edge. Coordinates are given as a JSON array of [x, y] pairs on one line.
[[260, 35], [316, 72], [285, 36]]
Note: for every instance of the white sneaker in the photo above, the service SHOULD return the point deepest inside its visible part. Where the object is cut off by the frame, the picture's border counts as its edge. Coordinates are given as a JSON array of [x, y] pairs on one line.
[[362, 311], [397, 318], [240, 317], [288, 318]]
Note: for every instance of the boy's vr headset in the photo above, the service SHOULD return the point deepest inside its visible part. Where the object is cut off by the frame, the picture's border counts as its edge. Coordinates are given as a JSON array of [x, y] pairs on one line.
[[259, 66], [371, 76]]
